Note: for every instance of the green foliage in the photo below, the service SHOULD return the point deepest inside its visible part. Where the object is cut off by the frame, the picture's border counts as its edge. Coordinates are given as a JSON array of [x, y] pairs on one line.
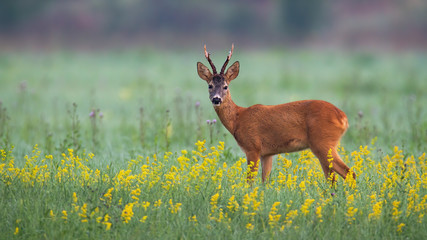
[[203, 193], [154, 105], [381, 94]]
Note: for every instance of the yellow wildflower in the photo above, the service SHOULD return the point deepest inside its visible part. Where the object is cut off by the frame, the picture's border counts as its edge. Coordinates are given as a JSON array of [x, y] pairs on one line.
[[221, 146], [290, 216], [158, 203], [143, 219], [214, 201], [273, 217], [350, 199], [64, 215], [350, 214], [250, 226], [306, 205], [233, 205], [400, 226], [318, 212], [51, 214], [193, 219], [364, 150], [106, 223], [200, 146], [108, 196], [349, 180], [83, 210], [174, 208], [74, 197], [145, 205], [373, 197], [302, 186], [395, 212], [376, 210], [127, 213], [330, 159], [136, 192]]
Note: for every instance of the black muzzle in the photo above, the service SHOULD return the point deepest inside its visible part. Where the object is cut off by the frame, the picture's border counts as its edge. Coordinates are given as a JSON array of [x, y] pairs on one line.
[[216, 100]]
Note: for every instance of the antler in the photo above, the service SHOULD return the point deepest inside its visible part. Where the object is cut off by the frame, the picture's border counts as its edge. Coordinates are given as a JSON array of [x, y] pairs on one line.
[[228, 59], [210, 61]]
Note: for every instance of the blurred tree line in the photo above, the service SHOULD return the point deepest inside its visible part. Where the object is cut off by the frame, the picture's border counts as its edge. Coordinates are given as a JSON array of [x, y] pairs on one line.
[[252, 17], [257, 19]]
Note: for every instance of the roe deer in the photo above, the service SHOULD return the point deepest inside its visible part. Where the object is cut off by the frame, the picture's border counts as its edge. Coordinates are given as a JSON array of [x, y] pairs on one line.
[[263, 131]]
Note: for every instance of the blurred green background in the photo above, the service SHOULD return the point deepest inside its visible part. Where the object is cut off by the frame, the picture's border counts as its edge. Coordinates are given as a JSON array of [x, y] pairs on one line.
[[134, 64]]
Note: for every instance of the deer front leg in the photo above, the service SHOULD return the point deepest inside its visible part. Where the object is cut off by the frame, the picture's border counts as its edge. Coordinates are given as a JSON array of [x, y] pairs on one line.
[[253, 160], [267, 164]]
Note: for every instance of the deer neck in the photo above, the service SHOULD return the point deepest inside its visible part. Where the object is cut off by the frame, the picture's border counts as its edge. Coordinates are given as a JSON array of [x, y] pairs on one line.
[[227, 113]]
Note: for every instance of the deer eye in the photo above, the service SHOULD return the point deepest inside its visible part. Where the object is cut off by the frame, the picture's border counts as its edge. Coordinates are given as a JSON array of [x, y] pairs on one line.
[[210, 86], [225, 87]]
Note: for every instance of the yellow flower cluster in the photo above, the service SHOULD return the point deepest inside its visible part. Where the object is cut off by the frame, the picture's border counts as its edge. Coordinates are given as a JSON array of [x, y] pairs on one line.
[[273, 216], [394, 185], [174, 208], [127, 212]]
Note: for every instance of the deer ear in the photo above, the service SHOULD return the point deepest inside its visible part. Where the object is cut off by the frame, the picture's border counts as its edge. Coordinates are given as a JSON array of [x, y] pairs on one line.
[[232, 71], [203, 72]]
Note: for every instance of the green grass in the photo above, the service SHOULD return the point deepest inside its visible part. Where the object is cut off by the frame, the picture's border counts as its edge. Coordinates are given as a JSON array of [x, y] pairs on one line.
[[148, 104]]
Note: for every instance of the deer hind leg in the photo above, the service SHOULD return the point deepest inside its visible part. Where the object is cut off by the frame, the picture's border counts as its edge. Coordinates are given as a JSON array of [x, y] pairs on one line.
[[253, 160], [338, 165], [328, 171], [267, 164]]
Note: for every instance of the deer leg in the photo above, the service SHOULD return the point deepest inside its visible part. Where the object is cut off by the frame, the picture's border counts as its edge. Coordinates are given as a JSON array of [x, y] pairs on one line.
[[337, 164], [252, 159], [328, 171], [344, 169], [267, 164]]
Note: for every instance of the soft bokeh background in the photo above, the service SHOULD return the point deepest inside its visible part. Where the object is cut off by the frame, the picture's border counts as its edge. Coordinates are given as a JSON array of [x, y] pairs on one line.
[[347, 24], [120, 57]]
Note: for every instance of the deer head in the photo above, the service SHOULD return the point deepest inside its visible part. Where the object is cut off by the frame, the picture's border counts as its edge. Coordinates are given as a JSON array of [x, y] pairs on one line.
[[218, 83]]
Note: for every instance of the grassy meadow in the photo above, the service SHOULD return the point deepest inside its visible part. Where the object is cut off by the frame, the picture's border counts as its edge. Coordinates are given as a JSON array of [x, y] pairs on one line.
[[124, 144]]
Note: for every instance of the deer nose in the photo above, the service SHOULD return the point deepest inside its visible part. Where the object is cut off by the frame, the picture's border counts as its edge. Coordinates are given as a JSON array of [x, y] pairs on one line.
[[216, 100]]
